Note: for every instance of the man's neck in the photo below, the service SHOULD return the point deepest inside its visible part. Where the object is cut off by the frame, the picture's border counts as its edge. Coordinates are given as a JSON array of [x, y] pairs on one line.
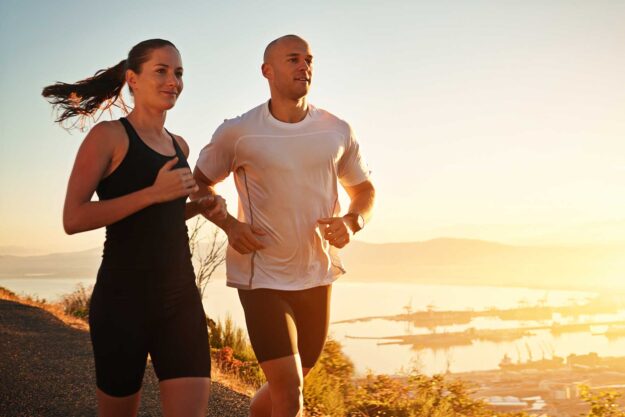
[[288, 111]]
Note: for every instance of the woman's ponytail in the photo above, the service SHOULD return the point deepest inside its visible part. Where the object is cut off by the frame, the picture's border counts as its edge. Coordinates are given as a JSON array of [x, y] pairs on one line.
[[85, 97]]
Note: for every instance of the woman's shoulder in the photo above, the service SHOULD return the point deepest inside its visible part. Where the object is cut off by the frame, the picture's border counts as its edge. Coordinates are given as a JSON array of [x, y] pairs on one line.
[[106, 134], [107, 128]]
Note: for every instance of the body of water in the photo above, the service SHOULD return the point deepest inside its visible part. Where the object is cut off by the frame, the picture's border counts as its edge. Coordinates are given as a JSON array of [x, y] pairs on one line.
[[354, 300]]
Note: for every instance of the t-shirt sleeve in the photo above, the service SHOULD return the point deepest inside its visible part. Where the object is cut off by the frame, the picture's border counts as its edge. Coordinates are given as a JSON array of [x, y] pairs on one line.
[[352, 169], [217, 158]]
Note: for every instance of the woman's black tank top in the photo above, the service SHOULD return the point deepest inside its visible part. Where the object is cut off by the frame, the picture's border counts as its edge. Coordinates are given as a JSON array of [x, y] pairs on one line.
[[155, 237]]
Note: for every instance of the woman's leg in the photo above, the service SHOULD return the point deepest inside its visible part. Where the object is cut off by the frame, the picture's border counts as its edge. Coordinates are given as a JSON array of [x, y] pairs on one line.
[[185, 396], [109, 406], [118, 338], [181, 356]]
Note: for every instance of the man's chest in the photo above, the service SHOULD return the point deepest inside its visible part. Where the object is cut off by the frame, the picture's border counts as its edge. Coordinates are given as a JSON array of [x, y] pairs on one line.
[[290, 154]]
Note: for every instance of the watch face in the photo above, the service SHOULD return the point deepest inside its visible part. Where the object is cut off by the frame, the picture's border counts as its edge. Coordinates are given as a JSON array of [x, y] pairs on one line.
[[357, 221], [361, 222]]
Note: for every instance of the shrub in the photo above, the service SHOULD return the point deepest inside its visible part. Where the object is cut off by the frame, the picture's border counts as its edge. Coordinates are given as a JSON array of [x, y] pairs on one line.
[[227, 334], [233, 353], [328, 386], [77, 302], [602, 404]]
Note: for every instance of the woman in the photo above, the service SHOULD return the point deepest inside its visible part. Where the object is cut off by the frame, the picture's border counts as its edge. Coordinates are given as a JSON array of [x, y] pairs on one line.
[[145, 300]]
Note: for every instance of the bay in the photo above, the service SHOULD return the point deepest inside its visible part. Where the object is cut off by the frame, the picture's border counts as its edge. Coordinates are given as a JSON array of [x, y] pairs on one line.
[[352, 300]]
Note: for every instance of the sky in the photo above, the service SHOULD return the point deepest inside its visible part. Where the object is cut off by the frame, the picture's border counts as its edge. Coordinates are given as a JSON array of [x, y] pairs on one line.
[[496, 120]]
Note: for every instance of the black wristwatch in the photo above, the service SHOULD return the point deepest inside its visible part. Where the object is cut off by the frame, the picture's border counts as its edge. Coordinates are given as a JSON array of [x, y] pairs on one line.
[[355, 221]]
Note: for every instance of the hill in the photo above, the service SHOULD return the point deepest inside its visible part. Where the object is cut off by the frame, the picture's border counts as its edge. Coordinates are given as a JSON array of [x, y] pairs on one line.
[[442, 261]]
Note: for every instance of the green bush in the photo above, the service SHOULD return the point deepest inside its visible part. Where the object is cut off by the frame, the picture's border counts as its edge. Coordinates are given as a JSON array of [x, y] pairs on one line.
[[77, 302], [227, 334], [328, 386], [602, 404], [330, 390]]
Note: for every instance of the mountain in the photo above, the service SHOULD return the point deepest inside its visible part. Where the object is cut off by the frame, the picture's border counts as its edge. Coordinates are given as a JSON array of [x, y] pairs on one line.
[[437, 261], [81, 264], [476, 262]]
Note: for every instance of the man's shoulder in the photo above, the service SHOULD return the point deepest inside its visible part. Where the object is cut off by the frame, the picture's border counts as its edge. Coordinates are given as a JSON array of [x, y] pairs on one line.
[[329, 118], [238, 125]]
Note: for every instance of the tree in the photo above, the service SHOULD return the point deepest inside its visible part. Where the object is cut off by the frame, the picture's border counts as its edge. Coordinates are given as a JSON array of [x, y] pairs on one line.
[[207, 257]]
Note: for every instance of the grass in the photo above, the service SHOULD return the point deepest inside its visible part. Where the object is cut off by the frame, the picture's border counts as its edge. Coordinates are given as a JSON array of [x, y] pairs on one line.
[[56, 309]]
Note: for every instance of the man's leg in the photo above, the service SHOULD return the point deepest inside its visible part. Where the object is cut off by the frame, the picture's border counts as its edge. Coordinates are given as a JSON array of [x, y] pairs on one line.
[[311, 310], [261, 403]]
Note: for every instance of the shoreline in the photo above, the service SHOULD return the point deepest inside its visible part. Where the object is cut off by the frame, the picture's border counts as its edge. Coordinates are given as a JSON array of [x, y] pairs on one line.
[[456, 282]]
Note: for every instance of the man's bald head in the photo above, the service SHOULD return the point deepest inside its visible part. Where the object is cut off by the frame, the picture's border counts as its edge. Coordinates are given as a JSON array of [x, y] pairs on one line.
[[274, 43]]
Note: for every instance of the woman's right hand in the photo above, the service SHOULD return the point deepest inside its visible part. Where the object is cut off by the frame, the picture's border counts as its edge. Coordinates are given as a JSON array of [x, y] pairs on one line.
[[171, 184]]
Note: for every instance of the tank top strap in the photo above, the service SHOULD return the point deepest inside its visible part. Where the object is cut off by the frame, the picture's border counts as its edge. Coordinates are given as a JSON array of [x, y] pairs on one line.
[[133, 136], [177, 148]]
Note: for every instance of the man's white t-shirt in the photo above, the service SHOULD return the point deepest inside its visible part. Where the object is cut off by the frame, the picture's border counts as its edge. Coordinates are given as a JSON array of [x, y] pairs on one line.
[[286, 177]]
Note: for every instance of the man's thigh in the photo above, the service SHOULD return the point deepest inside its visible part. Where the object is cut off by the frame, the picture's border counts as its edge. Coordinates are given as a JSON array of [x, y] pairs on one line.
[[270, 324]]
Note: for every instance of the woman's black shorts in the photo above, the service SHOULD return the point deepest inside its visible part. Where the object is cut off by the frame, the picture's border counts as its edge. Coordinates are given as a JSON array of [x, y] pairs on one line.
[[282, 323], [134, 313]]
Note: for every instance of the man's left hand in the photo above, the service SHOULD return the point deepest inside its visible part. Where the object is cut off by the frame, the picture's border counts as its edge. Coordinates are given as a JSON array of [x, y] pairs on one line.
[[335, 231]]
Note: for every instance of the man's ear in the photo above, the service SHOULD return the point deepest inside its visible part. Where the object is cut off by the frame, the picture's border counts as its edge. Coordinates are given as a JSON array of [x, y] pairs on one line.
[[267, 71]]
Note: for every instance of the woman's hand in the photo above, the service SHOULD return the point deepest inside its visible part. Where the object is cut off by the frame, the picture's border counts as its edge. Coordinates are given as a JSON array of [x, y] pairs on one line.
[[171, 184]]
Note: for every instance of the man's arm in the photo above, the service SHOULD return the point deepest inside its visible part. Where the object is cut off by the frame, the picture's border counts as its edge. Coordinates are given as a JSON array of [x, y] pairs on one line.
[[362, 198], [338, 230], [241, 236]]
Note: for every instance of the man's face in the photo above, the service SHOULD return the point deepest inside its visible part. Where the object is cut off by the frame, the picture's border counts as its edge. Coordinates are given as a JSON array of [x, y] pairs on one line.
[[289, 69]]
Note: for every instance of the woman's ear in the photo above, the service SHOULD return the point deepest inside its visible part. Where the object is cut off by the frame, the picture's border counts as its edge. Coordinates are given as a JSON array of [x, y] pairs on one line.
[[131, 79]]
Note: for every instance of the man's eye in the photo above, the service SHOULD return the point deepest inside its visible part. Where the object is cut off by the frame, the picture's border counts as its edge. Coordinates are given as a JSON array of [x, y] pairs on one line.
[[161, 70], [179, 74]]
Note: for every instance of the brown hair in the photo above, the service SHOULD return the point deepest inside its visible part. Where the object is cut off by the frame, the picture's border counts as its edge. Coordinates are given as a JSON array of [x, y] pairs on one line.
[[103, 90]]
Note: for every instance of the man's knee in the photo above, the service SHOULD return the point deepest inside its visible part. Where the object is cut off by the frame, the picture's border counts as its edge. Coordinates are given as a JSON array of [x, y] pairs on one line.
[[260, 408], [288, 397]]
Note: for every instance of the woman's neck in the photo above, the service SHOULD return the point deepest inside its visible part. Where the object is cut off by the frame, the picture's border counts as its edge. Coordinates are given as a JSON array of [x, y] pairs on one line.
[[151, 122]]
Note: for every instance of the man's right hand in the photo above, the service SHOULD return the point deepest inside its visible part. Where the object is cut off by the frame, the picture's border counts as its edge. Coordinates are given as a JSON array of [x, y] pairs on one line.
[[243, 237]]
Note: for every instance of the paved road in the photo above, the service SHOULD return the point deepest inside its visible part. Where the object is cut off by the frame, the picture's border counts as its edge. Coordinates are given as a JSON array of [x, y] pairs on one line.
[[46, 369]]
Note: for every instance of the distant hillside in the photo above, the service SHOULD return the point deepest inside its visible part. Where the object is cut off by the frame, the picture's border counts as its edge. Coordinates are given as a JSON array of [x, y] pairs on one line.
[[81, 264], [444, 261], [472, 262]]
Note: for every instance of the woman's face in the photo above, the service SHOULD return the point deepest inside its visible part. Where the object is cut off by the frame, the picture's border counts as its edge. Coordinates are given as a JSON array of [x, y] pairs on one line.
[[160, 82]]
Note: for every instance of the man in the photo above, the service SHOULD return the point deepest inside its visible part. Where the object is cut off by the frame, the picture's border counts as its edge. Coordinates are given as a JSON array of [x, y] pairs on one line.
[[286, 156]]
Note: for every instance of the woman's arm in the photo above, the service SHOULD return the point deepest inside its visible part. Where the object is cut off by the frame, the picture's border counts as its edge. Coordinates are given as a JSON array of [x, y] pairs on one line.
[[210, 204], [92, 162]]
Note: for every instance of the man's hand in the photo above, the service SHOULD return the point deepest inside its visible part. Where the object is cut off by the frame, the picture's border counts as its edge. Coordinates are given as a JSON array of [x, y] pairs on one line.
[[335, 231], [242, 236], [213, 207]]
